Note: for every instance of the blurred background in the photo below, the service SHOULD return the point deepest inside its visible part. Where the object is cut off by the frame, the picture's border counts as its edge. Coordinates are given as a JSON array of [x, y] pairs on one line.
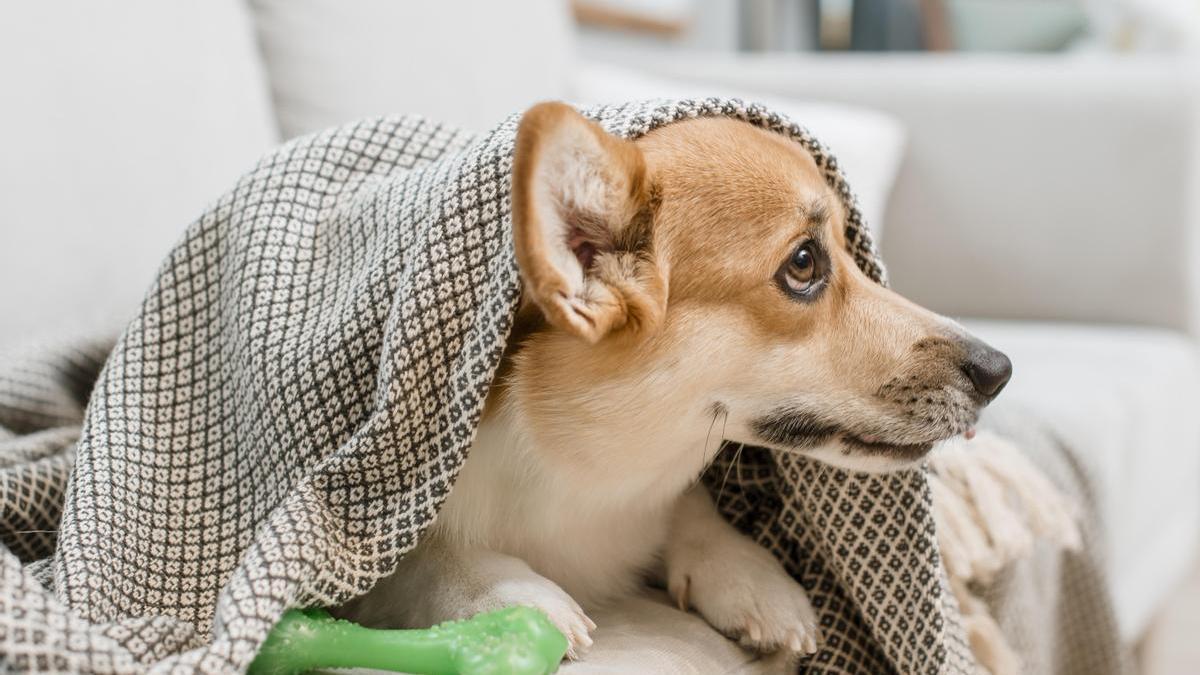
[[1029, 166]]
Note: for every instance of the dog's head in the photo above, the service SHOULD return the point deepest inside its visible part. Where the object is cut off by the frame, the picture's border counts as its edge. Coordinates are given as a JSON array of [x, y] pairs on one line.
[[700, 273]]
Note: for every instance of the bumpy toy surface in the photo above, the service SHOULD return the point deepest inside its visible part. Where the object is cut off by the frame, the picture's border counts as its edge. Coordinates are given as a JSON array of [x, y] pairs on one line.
[[515, 640]]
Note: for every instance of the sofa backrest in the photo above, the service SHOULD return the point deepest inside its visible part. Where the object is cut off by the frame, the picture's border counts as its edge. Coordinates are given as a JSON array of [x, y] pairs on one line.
[[119, 122], [465, 62]]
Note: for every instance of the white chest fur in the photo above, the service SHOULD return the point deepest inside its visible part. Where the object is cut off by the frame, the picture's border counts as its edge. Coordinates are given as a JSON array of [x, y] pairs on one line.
[[585, 530]]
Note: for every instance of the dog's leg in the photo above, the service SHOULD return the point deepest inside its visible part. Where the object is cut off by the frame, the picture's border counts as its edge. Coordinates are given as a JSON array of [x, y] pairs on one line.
[[441, 582], [735, 584]]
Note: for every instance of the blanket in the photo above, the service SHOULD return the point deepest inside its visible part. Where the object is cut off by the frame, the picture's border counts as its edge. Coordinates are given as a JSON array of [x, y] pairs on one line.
[[290, 406]]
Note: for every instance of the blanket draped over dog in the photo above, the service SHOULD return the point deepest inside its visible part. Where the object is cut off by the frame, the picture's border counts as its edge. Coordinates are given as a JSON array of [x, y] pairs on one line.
[[291, 404]]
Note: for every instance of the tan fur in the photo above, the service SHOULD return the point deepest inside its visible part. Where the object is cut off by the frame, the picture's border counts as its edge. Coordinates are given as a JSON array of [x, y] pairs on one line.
[[653, 328], [732, 202]]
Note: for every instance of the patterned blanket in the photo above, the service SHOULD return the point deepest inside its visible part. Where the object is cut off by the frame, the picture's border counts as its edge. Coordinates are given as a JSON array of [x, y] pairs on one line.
[[289, 408]]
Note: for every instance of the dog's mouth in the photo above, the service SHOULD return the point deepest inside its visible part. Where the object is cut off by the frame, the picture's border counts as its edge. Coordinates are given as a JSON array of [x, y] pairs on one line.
[[872, 446], [800, 431]]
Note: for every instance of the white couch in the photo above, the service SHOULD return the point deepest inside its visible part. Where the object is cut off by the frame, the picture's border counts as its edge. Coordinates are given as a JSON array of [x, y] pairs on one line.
[[1051, 198]]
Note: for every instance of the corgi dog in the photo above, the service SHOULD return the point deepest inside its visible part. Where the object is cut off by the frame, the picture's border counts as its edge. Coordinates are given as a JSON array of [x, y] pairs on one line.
[[697, 273]]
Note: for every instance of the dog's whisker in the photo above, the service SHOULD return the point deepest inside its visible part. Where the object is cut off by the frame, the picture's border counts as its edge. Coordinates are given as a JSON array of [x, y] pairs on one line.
[[823, 470], [724, 423], [737, 455], [707, 438]]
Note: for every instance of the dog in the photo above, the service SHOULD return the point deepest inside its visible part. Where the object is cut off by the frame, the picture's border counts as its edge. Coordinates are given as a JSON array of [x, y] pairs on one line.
[[695, 277]]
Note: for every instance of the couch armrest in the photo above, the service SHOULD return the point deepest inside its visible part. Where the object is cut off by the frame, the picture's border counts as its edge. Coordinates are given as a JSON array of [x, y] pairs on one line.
[[1034, 187]]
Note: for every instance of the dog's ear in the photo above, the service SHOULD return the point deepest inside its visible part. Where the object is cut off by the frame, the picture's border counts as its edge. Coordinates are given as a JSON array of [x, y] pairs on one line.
[[581, 205]]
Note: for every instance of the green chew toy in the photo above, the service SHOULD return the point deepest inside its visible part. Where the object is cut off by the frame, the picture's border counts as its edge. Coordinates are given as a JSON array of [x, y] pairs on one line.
[[514, 640]]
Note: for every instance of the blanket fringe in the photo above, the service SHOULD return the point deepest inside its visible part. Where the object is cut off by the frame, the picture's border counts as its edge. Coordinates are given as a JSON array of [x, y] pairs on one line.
[[990, 505]]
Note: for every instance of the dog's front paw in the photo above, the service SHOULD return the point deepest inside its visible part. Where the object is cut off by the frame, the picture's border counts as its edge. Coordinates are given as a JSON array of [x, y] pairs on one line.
[[535, 591], [745, 593]]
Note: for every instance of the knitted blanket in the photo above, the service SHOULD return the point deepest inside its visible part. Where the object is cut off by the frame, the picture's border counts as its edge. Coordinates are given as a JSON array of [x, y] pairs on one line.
[[287, 411]]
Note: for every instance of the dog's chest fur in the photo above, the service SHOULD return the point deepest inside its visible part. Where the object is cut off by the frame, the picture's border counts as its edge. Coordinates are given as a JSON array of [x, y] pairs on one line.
[[587, 531]]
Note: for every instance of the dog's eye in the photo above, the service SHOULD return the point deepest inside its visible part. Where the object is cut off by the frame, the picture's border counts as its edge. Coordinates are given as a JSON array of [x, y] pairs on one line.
[[804, 274], [800, 273]]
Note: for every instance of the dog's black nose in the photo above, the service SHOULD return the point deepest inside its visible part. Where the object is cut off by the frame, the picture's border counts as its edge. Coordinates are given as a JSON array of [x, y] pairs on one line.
[[987, 368]]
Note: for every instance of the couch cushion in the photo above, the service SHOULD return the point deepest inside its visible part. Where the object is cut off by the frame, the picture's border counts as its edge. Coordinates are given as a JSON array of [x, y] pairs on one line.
[[467, 62], [647, 634], [1125, 399], [120, 122]]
